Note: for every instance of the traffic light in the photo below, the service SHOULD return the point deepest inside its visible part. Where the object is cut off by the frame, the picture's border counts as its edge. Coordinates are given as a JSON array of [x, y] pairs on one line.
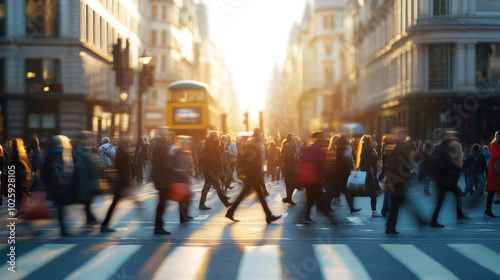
[[146, 77], [245, 121], [261, 120], [117, 62]]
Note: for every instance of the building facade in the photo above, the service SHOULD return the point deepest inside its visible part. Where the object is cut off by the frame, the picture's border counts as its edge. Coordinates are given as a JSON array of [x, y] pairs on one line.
[[56, 64], [424, 65]]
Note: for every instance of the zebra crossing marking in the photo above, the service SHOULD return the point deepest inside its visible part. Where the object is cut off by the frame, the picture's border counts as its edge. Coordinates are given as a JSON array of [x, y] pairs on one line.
[[34, 260], [260, 262], [421, 264], [182, 263], [339, 262], [105, 263], [480, 254]]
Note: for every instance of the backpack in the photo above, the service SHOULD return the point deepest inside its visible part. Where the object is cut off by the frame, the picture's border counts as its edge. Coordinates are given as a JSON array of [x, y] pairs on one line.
[[472, 165]]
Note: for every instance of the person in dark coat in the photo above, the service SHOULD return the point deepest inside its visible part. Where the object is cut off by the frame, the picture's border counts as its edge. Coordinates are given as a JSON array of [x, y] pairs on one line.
[[289, 159], [474, 166], [85, 176], [56, 174], [342, 169], [367, 158], [183, 171], [251, 165], [213, 170], [162, 175], [19, 161], [123, 166]]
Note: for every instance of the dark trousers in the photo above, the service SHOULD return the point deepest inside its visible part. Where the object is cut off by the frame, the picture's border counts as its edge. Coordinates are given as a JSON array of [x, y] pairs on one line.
[[60, 217], [397, 198], [289, 182], [160, 209], [209, 183], [183, 212], [316, 196], [90, 216], [244, 192], [444, 184], [116, 198], [342, 187]]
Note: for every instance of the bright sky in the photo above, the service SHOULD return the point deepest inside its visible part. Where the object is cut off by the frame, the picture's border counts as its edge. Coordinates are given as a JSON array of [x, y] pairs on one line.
[[253, 35]]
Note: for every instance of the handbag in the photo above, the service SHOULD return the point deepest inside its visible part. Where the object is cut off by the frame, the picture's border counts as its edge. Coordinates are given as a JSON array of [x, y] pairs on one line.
[[356, 181], [36, 207], [307, 174], [497, 167], [180, 192]]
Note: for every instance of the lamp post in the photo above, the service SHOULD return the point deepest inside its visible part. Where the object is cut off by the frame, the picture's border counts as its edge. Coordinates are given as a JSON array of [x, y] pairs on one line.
[[145, 81]]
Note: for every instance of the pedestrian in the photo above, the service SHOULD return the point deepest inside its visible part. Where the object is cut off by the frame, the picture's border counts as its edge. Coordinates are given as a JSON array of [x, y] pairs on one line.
[[343, 167], [106, 153], [388, 146], [230, 159], [213, 170], [446, 170], [424, 172], [251, 165], [366, 160], [145, 154], [85, 174], [487, 156], [123, 166], [258, 141], [493, 184], [162, 175], [474, 166], [273, 160], [56, 174], [289, 158], [35, 159], [398, 171], [20, 164], [183, 171]]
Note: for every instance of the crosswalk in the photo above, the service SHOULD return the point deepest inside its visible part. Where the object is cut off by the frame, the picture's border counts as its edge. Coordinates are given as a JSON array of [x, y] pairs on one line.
[[270, 262]]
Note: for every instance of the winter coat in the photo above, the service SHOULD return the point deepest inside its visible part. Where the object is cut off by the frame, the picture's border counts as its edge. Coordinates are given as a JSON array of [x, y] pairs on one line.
[[493, 178], [162, 166], [183, 163], [251, 164], [123, 167], [56, 179], [85, 176], [212, 159], [368, 163], [107, 155]]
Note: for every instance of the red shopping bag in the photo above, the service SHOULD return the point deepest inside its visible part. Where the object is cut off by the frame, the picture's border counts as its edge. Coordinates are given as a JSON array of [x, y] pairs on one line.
[[36, 207], [180, 192], [307, 174]]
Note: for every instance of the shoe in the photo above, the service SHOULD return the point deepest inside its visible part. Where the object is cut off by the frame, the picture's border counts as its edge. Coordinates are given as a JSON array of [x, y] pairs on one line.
[[272, 218], [289, 201], [309, 221], [230, 217], [354, 210], [190, 218], [229, 204], [391, 231], [107, 229], [91, 224], [376, 214], [204, 207], [490, 214], [161, 232], [497, 201], [436, 225]]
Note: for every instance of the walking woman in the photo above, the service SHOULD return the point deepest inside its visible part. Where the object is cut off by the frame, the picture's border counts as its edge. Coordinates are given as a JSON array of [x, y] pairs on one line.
[[366, 160], [183, 171], [493, 184], [343, 167], [20, 164]]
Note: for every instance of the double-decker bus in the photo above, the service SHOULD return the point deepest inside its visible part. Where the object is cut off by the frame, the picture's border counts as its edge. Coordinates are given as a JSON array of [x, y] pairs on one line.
[[192, 110]]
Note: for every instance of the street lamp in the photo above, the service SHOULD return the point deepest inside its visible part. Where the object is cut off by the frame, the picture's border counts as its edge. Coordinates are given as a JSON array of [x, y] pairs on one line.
[[144, 59]]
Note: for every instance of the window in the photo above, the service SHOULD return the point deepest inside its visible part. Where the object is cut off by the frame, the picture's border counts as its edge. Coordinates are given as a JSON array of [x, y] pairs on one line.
[[329, 22], [163, 38], [487, 65], [43, 76], [47, 121], [440, 76], [154, 12], [164, 12], [42, 18], [163, 63], [440, 7], [2, 18], [153, 38], [328, 75]]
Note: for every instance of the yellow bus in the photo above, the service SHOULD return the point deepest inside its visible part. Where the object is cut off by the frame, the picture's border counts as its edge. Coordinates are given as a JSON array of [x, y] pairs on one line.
[[192, 110]]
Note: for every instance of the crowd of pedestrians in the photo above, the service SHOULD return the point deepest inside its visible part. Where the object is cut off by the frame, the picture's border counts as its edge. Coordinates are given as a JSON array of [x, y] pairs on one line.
[[75, 171]]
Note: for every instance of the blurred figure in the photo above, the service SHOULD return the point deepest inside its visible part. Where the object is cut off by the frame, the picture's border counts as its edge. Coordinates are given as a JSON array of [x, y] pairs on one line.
[[258, 141], [289, 158], [86, 174], [21, 166], [388, 145], [444, 164], [398, 171], [487, 156], [251, 164], [367, 158], [474, 166], [107, 154], [183, 171], [162, 175], [213, 170], [332, 192], [35, 159], [56, 173], [230, 156], [123, 166], [273, 160], [424, 172], [493, 184], [145, 154], [343, 167]]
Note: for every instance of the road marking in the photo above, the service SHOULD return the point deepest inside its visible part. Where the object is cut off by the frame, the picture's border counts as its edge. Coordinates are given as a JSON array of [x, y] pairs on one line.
[[339, 262], [421, 264], [480, 254], [260, 262], [183, 263], [106, 263], [34, 260]]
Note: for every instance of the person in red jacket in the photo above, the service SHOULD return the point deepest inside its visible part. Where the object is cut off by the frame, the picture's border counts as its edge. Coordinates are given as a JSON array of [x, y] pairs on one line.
[[493, 184]]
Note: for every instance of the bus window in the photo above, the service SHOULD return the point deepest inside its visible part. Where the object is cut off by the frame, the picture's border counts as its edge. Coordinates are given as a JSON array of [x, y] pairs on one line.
[[187, 96]]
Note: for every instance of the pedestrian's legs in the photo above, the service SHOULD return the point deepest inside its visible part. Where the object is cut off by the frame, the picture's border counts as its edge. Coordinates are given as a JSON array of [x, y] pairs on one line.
[[396, 202], [440, 198], [222, 196], [263, 201], [204, 191], [160, 209], [373, 202], [183, 212], [310, 201], [105, 223], [238, 200], [90, 216], [489, 202], [387, 205]]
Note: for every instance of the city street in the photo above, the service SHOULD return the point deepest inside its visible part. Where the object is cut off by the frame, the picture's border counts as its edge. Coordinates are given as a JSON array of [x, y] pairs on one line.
[[348, 246]]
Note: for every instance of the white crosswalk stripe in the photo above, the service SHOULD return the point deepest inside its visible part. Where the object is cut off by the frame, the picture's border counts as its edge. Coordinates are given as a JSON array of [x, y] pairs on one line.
[[34, 260], [480, 254], [105, 263], [260, 262], [182, 263], [421, 264], [339, 262]]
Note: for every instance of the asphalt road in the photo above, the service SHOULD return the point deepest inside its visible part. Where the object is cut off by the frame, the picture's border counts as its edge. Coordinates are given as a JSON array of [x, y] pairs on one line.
[[345, 246]]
